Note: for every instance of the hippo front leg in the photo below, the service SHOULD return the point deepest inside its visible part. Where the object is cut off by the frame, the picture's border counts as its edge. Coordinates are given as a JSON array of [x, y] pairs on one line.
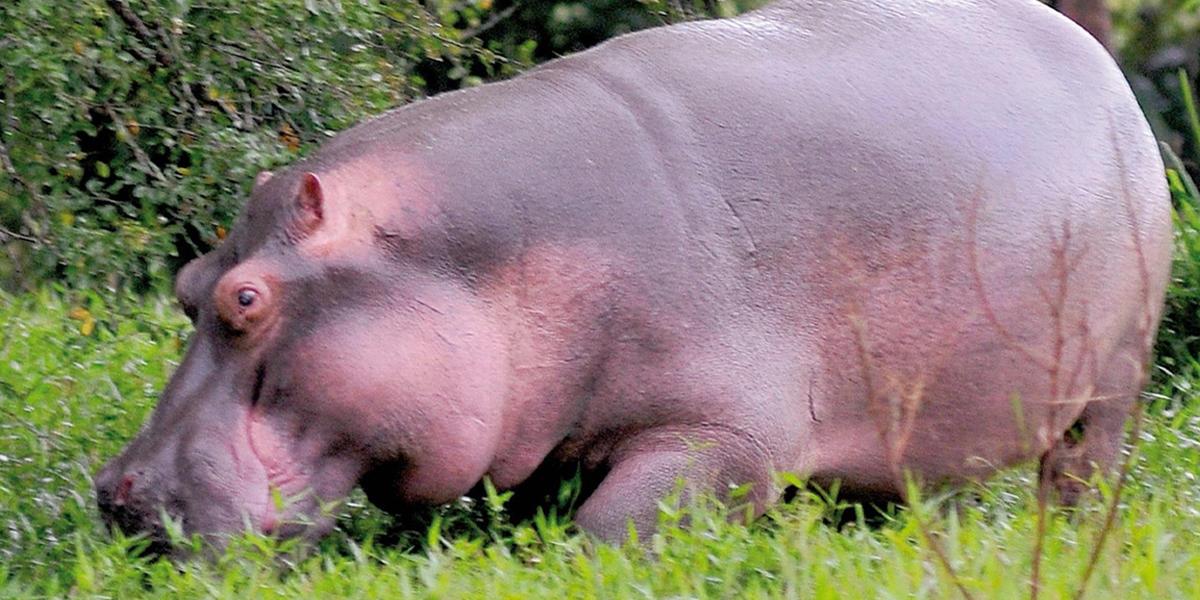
[[654, 465]]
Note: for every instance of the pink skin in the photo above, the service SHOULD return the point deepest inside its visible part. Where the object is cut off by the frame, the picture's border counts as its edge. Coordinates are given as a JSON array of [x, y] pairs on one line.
[[412, 383], [271, 453], [831, 238], [403, 373]]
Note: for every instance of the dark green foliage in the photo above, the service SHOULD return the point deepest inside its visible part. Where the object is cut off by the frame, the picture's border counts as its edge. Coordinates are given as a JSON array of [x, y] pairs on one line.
[[1159, 39], [544, 29]]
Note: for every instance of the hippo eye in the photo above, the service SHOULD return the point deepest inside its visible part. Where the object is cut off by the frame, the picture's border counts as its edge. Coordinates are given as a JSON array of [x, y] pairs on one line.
[[242, 301], [246, 297]]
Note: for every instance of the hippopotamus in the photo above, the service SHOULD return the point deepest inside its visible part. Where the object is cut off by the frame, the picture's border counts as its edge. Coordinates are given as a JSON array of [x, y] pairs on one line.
[[859, 242]]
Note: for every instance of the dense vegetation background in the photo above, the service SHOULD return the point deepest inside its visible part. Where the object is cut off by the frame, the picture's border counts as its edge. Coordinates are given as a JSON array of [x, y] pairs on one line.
[[130, 132]]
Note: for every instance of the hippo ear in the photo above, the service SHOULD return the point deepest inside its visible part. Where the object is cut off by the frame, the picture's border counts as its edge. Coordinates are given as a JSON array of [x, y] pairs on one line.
[[310, 202], [263, 177]]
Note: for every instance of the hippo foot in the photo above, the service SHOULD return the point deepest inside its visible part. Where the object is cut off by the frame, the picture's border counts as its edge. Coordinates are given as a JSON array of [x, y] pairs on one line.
[[1090, 447]]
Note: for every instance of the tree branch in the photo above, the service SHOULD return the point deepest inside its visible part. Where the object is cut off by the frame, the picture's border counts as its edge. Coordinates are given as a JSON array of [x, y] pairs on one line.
[[143, 33], [7, 234], [160, 58]]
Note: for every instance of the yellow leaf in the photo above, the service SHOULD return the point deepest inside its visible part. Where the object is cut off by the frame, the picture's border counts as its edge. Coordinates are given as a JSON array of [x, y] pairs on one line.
[[288, 136], [134, 127], [87, 324], [66, 218], [213, 93], [485, 4], [78, 47], [221, 233]]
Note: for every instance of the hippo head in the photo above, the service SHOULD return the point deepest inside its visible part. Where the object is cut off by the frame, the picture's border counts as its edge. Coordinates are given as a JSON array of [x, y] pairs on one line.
[[319, 362]]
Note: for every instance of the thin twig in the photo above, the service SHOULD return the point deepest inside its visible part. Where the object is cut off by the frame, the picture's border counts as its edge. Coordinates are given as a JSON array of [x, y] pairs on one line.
[[7, 164], [159, 44], [1062, 266], [1039, 542], [1110, 516], [438, 35], [493, 21], [7, 234], [896, 449], [231, 48], [138, 153], [989, 311], [1061, 271]]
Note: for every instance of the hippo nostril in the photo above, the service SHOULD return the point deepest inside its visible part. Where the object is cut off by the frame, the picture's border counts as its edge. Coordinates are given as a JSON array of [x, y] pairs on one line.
[[121, 496], [269, 523]]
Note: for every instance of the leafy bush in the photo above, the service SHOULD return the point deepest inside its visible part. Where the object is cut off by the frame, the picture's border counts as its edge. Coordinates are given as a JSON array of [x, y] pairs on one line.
[[131, 130], [1179, 338]]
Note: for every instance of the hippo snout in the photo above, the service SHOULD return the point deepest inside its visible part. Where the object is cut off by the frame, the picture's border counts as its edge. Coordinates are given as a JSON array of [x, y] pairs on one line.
[[212, 482], [112, 490], [125, 502]]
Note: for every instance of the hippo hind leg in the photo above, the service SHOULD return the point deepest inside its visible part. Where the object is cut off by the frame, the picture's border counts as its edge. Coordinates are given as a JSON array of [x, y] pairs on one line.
[[1092, 444]]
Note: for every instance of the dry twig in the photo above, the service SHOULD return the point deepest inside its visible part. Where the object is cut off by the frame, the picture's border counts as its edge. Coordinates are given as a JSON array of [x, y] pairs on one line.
[[1146, 329]]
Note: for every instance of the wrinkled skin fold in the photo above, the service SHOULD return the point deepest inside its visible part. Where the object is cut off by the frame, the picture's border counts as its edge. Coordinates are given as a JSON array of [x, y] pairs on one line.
[[836, 239]]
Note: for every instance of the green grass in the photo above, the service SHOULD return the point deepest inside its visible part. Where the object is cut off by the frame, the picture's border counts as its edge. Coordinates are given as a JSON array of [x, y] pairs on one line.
[[70, 400]]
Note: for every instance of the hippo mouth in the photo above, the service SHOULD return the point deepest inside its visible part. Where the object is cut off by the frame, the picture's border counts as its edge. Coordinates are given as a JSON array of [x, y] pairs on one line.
[[285, 488], [260, 377], [148, 525]]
